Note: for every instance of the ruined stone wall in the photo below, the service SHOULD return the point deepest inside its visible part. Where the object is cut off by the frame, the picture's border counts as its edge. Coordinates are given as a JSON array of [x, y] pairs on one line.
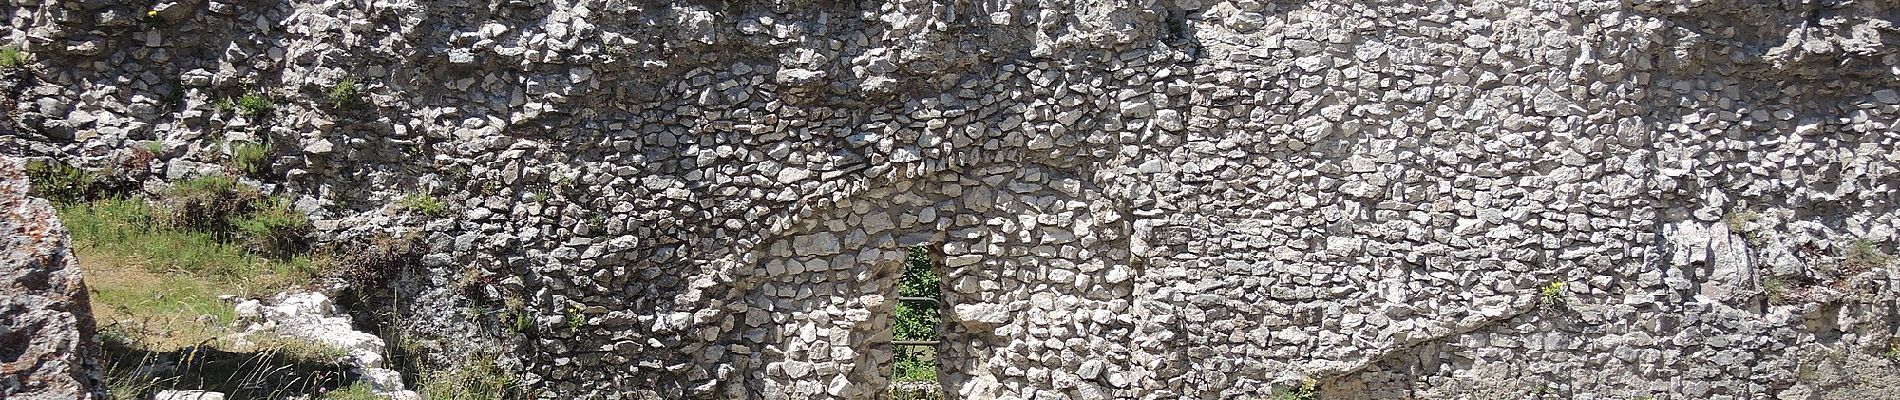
[[1141, 199]]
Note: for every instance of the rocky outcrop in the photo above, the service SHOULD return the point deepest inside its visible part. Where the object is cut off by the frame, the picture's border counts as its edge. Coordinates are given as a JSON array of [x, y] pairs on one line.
[[48, 347], [312, 317]]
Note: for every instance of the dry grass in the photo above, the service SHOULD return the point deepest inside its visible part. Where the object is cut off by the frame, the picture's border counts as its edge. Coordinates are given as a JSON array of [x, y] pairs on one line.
[[155, 291]]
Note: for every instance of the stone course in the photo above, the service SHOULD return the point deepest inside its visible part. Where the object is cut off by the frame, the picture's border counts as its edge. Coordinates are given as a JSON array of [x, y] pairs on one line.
[[1138, 199]]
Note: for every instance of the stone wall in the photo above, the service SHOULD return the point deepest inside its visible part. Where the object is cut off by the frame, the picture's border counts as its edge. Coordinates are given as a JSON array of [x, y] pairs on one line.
[[1141, 199]]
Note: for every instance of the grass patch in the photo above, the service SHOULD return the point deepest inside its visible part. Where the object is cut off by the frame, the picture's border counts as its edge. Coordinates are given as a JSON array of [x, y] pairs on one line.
[[477, 379], [255, 104], [1552, 293], [206, 203], [344, 93], [61, 183], [124, 231], [155, 289], [355, 391], [11, 57], [250, 158], [1775, 290], [1861, 255], [423, 203], [273, 229]]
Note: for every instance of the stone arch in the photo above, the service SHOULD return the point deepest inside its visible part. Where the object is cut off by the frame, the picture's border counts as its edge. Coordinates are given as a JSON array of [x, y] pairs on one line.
[[1037, 296]]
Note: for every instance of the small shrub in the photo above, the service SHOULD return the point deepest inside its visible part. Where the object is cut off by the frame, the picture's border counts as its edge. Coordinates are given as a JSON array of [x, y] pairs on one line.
[[11, 57], [135, 163], [59, 182], [205, 202], [379, 258], [1553, 292], [423, 203], [273, 229], [254, 104], [344, 93], [1307, 390], [914, 364], [575, 320], [250, 158], [1775, 289], [1738, 221], [476, 379], [1861, 255]]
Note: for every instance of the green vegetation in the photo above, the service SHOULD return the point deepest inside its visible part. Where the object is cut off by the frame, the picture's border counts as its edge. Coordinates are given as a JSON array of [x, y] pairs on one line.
[[1775, 289], [360, 390], [273, 229], [157, 273], [917, 320], [11, 57], [1738, 221], [1552, 293], [1861, 255], [61, 183], [1307, 390], [250, 158], [478, 379], [155, 290], [523, 323], [575, 320], [344, 93], [152, 146], [254, 104], [206, 202], [423, 203], [123, 231]]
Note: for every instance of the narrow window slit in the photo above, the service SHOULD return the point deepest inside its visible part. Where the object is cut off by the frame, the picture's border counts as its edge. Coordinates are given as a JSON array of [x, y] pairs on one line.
[[919, 328]]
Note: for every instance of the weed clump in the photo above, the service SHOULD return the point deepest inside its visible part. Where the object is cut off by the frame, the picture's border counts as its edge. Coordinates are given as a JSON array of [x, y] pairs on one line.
[[249, 158], [273, 229], [206, 202], [254, 104], [11, 57], [344, 93], [1861, 255], [62, 183], [1308, 389], [423, 203], [1552, 293], [476, 379], [1775, 290]]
